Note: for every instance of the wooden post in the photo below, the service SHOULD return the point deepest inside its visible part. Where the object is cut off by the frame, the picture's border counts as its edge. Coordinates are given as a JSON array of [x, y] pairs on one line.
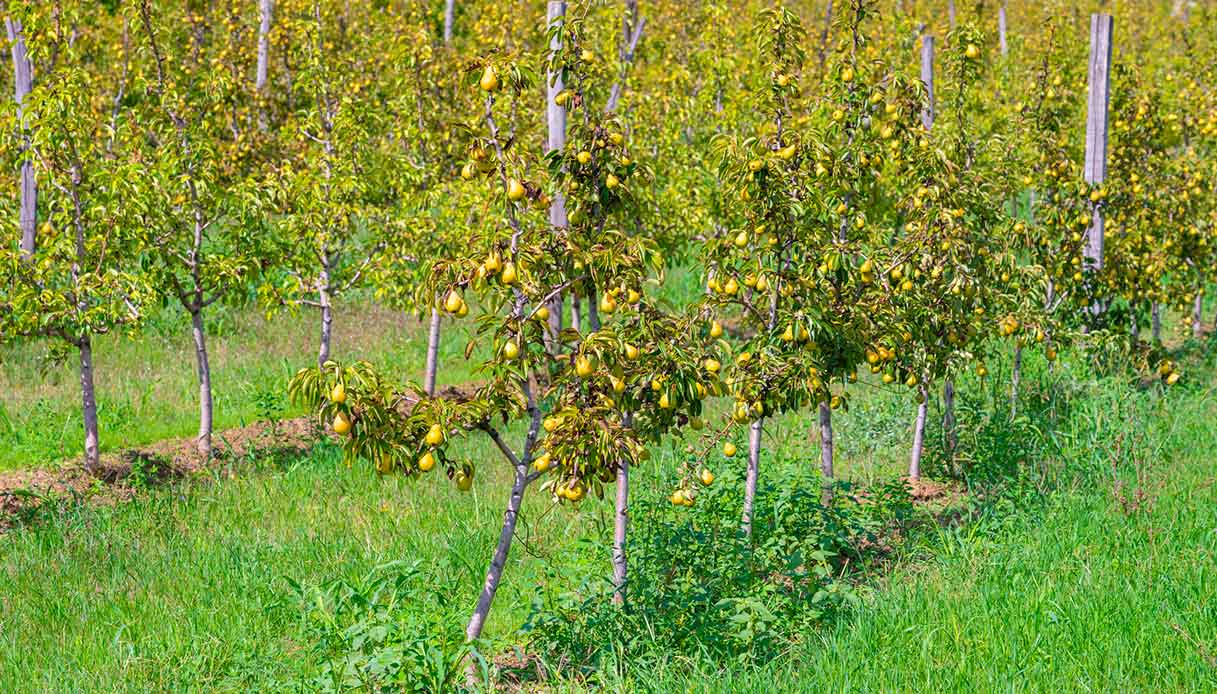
[[1096, 133], [22, 81], [951, 12], [449, 19], [1001, 29], [927, 76], [555, 116]]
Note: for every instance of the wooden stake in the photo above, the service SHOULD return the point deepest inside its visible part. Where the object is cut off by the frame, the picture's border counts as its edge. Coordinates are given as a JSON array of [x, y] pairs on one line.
[[1096, 133], [927, 76]]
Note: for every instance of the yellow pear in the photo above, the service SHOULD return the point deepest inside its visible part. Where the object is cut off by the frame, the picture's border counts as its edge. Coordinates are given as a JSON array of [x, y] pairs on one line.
[[583, 366], [435, 435], [453, 302], [426, 462], [509, 273], [728, 449], [338, 394], [490, 79], [515, 190], [707, 477], [342, 423]]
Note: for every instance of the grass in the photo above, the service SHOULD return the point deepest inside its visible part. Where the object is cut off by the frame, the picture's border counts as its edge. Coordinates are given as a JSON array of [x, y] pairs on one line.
[[186, 588], [146, 385]]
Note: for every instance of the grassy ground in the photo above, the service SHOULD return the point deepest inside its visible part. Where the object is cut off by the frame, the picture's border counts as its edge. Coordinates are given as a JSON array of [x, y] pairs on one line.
[[146, 385], [1056, 585]]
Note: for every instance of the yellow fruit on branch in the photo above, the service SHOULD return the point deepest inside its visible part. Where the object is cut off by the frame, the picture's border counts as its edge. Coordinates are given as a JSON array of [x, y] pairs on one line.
[[490, 79], [342, 423], [515, 190], [583, 366], [511, 350], [338, 394], [453, 302], [728, 449], [435, 435], [426, 462]]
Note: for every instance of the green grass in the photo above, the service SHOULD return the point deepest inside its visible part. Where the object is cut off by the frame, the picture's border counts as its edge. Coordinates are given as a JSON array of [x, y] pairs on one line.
[[146, 385], [1053, 587]]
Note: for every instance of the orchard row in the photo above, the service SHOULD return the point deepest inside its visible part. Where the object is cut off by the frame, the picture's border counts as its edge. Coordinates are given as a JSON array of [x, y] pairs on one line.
[[884, 191]]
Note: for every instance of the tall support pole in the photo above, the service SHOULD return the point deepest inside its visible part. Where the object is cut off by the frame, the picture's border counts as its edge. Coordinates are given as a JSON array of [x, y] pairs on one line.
[[1096, 134], [927, 76], [23, 79], [449, 19], [555, 118], [1001, 29]]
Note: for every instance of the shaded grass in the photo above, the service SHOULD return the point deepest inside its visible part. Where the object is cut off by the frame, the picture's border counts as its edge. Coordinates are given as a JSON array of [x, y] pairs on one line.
[[146, 385]]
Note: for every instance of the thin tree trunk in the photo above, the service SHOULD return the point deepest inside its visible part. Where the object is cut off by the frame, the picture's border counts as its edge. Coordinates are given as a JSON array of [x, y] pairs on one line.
[[22, 82], [754, 463], [593, 308], [1015, 377], [826, 450], [823, 52], [89, 406], [327, 313], [919, 434], [494, 574], [576, 321], [449, 19], [1197, 315], [951, 12], [432, 352], [1156, 321], [621, 526], [203, 363]]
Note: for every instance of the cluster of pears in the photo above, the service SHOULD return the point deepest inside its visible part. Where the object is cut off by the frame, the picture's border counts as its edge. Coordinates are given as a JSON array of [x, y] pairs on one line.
[[686, 497], [342, 421], [573, 490]]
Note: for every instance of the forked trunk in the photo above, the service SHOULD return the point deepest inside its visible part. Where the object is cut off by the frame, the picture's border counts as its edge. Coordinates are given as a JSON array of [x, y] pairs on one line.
[[494, 573], [754, 463], [203, 364], [919, 434], [826, 451], [89, 406], [432, 353]]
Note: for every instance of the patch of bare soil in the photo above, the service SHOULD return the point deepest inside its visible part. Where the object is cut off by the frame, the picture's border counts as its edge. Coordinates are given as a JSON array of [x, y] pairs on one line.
[[122, 474]]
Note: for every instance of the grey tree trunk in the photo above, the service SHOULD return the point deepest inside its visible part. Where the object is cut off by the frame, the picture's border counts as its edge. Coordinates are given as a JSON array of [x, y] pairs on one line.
[[826, 450], [89, 406], [326, 302], [1197, 315], [203, 364], [494, 574], [22, 82], [951, 12], [919, 434], [621, 525], [1156, 321], [432, 353], [449, 19], [576, 320], [754, 464]]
